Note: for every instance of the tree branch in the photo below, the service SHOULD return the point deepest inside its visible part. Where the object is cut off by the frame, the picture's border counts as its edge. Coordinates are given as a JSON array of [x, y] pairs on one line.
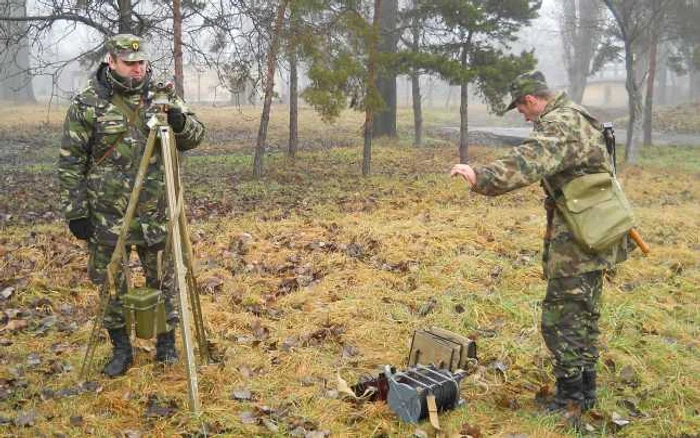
[[61, 17]]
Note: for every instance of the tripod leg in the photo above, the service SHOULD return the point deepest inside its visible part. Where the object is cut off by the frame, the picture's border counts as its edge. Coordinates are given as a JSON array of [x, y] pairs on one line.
[[119, 251], [167, 145], [193, 288], [197, 314]]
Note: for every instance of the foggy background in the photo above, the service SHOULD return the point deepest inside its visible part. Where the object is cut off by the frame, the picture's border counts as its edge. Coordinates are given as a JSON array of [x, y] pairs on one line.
[[65, 41]]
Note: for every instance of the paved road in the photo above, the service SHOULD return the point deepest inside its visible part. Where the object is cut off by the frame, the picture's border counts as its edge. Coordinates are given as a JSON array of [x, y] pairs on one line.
[[512, 134]]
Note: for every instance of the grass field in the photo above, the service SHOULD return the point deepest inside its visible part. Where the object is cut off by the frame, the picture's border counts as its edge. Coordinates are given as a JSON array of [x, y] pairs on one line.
[[315, 271]]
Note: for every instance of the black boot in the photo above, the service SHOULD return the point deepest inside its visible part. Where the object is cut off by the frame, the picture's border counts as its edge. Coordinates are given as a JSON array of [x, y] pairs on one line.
[[569, 394], [122, 357], [589, 398], [165, 348]]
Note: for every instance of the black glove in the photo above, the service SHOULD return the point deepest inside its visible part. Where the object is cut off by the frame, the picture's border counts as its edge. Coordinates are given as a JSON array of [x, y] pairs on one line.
[[81, 228], [176, 119]]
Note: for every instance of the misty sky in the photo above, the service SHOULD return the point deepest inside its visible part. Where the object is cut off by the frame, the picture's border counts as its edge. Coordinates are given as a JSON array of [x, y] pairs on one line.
[[68, 41]]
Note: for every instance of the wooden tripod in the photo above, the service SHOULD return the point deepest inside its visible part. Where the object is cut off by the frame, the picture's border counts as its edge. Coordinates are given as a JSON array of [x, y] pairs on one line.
[[178, 245]]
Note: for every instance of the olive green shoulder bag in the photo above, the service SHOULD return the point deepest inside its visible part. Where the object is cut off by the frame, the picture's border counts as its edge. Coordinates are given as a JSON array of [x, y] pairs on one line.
[[595, 209]]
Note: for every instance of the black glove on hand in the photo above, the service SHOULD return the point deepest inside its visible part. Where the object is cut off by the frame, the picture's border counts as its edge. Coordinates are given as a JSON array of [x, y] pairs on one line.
[[176, 119], [81, 228]]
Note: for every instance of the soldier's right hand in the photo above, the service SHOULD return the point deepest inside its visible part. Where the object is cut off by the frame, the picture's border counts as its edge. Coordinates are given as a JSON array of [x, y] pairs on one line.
[[81, 228], [176, 119], [466, 171]]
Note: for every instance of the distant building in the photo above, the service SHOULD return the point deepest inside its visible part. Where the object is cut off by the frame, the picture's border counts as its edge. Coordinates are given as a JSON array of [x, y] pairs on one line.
[[607, 87]]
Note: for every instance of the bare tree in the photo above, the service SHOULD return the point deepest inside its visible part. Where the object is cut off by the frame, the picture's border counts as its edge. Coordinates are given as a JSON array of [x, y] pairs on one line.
[[177, 49], [101, 19], [372, 92], [633, 20], [651, 79], [126, 25], [464, 99], [293, 84], [232, 37], [581, 33], [682, 52], [415, 81], [269, 89], [104, 18], [15, 77]]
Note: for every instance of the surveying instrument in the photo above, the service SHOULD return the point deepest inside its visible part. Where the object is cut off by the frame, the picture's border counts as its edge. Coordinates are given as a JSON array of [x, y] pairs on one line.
[[145, 308]]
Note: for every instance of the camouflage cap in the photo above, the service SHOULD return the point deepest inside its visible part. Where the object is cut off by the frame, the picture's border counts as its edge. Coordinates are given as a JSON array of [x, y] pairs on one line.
[[531, 82], [127, 47]]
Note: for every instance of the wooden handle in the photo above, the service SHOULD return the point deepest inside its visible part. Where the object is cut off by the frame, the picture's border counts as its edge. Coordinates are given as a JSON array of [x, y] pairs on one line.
[[639, 241]]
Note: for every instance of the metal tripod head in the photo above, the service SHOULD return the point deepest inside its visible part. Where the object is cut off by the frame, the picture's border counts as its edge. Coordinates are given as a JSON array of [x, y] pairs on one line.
[[163, 92]]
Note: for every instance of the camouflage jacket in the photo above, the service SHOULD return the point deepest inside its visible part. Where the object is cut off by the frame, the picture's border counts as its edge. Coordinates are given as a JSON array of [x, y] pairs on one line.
[[99, 158], [567, 142]]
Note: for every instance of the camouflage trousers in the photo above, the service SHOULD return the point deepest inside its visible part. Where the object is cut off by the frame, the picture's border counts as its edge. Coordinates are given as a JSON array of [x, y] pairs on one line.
[[570, 313], [100, 256]]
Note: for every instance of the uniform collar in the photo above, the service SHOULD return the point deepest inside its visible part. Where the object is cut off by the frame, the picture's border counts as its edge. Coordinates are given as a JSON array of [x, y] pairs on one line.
[[559, 100]]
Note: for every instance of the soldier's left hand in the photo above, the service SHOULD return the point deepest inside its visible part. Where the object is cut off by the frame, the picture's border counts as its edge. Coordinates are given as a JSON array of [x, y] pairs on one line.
[[176, 119], [466, 171]]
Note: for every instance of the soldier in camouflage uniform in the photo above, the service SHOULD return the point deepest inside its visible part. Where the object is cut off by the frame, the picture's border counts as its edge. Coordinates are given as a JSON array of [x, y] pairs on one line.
[[104, 138], [566, 143]]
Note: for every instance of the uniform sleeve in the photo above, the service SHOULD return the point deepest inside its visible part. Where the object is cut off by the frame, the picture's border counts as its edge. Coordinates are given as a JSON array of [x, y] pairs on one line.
[[542, 154], [74, 160], [193, 132]]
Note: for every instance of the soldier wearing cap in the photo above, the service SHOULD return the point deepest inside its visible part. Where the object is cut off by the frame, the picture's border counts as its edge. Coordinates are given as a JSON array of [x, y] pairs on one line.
[[566, 142], [104, 137]]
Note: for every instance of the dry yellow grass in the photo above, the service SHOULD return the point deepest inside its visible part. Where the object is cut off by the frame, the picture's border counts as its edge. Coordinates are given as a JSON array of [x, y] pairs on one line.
[[316, 271]]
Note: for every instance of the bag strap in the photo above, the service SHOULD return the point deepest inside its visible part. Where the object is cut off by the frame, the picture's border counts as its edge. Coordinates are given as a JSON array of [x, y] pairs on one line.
[[132, 115], [132, 118], [608, 135], [588, 116], [548, 188], [590, 119]]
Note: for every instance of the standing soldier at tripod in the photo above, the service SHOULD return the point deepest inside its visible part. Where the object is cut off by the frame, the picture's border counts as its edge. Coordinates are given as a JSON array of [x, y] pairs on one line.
[[105, 134]]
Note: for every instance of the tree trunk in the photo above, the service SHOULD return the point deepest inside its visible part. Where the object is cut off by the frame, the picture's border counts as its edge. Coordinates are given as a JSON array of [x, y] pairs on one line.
[[417, 110], [269, 90], [662, 71], [634, 106], [580, 37], [371, 87], [125, 23], [15, 71], [634, 103], [694, 84], [293, 101], [463, 114], [384, 123], [431, 84], [177, 50], [577, 84], [649, 99], [415, 84]]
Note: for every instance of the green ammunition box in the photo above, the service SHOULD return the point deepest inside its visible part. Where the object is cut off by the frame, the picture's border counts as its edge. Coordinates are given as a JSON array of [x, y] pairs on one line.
[[144, 309]]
